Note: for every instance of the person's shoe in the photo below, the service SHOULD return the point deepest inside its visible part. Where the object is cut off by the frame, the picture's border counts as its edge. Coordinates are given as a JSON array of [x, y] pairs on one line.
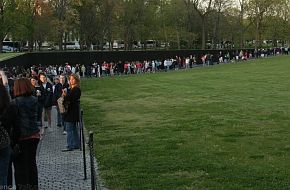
[[41, 137], [41, 131], [66, 150], [64, 132], [59, 125], [45, 126]]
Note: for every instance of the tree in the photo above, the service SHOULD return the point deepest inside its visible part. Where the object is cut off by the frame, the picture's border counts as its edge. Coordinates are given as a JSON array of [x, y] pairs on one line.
[[203, 8], [43, 24], [242, 5], [257, 12], [277, 23], [26, 13], [88, 30], [60, 8], [220, 6], [108, 15], [175, 25], [7, 19]]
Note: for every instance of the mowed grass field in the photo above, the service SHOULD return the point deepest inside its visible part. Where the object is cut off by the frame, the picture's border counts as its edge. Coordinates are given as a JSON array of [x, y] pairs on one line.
[[223, 127], [4, 56]]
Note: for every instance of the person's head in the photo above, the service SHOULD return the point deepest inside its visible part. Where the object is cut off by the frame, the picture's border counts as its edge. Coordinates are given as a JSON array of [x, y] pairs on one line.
[[56, 80], [22, 87], [42, 77], [4, 99], [34, 81], [1, 73], [1, 82], [74, 80], [62, 79]]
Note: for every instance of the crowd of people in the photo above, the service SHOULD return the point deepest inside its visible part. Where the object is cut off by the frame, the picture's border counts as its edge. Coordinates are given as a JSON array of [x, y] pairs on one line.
[[25, 113], [117, 68], [28, 95]]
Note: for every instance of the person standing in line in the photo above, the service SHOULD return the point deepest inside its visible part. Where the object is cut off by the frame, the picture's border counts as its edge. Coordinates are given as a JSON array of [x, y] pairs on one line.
[[56, 95], [25, 136], [48, 94], [59, 86], [99, 71], [38, 91], [5, 149], [83, 70], [72, 116]]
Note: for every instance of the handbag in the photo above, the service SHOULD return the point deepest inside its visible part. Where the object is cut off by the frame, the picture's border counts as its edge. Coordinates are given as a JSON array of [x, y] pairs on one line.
[[62, 105]]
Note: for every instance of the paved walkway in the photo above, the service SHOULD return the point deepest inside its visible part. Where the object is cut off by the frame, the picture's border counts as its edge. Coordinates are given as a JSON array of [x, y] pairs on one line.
[[60, 170]]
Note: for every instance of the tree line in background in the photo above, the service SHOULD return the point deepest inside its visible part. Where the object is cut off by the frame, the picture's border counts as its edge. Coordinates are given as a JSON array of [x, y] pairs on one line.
[[178, 24]]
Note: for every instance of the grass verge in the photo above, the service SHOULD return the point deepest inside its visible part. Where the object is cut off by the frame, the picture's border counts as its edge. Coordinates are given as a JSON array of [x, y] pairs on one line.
[[4, 56], [222, 127]]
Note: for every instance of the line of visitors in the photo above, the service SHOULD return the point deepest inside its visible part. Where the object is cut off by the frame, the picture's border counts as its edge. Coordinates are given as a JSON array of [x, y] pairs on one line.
[[111, 68], [25, 107]]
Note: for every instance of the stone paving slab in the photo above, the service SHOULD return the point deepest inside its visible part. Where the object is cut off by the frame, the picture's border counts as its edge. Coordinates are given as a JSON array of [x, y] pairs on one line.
[[61, 170]]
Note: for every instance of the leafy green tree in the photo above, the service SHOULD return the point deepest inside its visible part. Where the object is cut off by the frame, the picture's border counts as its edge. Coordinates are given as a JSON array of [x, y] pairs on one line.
[[88, 22], [277, 23], [108, 10], [61, 9], [220, 7], [257, 10], [7, 19], [203, 8], [43, 30], [27, 10], [177, 25]]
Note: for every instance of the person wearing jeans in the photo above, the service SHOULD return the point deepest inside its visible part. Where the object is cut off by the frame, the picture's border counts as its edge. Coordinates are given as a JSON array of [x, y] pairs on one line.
[[73, 140], [4, 164], [7, 121], [60, 85], [26, 136], [48, 94], [38, 92], [72, 116]]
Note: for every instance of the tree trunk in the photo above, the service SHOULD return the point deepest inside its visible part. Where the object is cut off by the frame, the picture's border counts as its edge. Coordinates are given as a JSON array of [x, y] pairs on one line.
[[203, 33], [1, 45], [39, 45], [65, 40], [241, 22], [257, 34], [178, 40], [30, 45], [60, 43], [215, 39]]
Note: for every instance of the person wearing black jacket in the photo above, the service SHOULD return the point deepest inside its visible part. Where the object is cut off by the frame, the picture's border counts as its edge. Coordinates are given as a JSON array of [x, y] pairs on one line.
[[60, 84], [22, 115], [5, 127], [38, 91], [72, 116], [48, 94]]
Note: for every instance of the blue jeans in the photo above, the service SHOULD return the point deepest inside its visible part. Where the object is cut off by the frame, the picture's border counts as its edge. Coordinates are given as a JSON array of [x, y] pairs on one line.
[[39, 114], [4, 163], [59, 117], [73, 139]]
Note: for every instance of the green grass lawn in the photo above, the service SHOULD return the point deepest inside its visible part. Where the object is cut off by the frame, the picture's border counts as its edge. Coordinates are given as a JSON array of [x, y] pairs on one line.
[[4, 56], [223, 127]]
